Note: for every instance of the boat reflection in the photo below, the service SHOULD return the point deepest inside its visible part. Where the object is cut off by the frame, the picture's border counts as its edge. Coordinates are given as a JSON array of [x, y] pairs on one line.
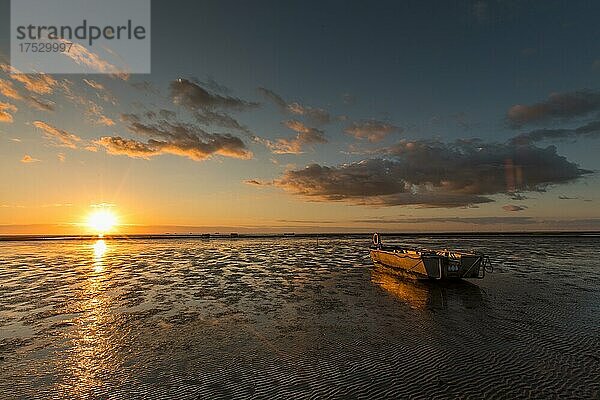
[[422, 294]]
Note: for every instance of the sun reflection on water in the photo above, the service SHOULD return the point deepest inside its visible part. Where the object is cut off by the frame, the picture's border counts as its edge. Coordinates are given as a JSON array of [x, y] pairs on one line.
[[93, 353], [100, 249]]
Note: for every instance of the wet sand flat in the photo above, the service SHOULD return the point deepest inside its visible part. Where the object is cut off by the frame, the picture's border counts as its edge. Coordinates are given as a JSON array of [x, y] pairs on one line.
[[285, 318]]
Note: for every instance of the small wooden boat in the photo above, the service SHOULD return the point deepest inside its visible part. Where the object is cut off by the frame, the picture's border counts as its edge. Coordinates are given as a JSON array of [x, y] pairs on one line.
[[429, 264]]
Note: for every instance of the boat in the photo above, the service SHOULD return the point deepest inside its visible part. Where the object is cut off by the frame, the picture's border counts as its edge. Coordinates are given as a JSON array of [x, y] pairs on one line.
[[423, 263]]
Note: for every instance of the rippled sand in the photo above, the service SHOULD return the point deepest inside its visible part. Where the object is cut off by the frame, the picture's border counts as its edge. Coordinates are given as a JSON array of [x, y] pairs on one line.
[[283, 318]]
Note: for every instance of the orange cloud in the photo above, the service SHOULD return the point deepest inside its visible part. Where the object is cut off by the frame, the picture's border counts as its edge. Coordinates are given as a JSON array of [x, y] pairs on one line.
[[27, 159], [59, 137], [82, 56], [373, 131], [306, 136], [36, 83], [7, 89], [6, 111]]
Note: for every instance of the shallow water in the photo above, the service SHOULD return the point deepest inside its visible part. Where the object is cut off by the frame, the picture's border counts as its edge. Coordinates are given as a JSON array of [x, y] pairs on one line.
[[285, 318]]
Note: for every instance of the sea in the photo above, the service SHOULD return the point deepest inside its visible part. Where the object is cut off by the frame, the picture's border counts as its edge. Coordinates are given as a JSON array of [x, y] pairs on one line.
[[296, 318]]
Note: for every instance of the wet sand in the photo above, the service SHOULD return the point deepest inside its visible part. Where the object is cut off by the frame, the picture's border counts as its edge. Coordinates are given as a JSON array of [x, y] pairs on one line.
[[285, 318]]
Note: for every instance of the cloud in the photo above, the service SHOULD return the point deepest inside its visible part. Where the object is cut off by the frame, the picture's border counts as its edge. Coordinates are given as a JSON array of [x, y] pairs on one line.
[[61, 157], [117, 145], [558, 106], [305, 136], [42, 105], [373, 131], [27, 159], [8, 90], [95, 113], [209, 118], [317, 116], [513, 208], [58, 137], [590, 130], [195, 97], [36, 83], [6, 112], [173, 138], [209, 106], [567, 198], [434, 174], [83, 56], [255, 182], [444, 220], [93, 84], [273, 97]]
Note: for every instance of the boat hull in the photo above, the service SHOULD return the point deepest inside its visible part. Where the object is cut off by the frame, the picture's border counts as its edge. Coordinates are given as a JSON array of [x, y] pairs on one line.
[[431, 265]]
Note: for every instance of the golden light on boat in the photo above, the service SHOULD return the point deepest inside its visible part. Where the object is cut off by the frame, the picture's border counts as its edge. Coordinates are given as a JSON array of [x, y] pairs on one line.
[[102, 221]]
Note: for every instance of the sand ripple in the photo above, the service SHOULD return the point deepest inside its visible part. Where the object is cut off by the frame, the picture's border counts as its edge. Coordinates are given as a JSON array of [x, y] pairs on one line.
[[283, 318]]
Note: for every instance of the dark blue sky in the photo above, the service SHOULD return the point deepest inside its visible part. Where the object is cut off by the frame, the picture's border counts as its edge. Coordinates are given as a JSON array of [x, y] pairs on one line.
[[412, 59]]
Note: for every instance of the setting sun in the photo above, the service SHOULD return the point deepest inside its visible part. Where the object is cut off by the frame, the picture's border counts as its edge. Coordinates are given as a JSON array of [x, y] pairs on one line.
[[102, 221]]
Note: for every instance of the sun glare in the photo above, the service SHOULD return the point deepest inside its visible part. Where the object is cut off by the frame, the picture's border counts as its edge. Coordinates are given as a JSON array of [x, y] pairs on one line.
[[102, 221]]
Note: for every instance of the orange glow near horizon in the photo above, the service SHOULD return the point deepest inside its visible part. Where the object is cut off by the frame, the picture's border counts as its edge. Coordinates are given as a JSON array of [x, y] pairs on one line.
[[102, 221]]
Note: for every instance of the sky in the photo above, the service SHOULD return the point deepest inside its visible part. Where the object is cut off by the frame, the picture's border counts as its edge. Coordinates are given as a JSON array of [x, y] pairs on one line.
[[272, 116]]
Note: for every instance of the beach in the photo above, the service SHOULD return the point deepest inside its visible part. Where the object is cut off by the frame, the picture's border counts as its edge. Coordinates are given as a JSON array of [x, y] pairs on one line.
[[287, 317]]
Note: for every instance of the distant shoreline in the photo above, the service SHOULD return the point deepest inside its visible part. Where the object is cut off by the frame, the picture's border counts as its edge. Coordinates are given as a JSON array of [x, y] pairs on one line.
[[366, 235]]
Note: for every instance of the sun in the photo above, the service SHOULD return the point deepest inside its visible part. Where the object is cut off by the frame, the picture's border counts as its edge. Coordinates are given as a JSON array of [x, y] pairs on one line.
[[102, 221]]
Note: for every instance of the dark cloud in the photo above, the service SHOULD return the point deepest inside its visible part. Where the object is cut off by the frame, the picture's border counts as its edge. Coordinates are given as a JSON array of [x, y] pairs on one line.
[[255, 182], [305, 136], [513, 208], [145, 86], [42, 105], [197, 98], [558, 106], [317, 116], [210, 118], [434, 174], [444, 220], [213, 85], [132, 148], [590, 130], [166, 137], [210, 104], [373, 131], [272, 96]]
